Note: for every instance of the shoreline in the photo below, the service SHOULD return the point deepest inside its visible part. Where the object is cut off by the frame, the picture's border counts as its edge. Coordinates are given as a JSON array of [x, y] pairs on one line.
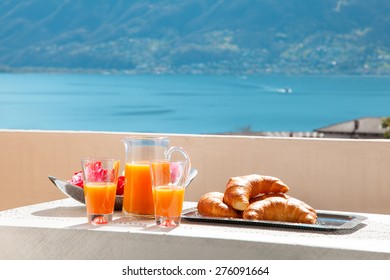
[[132, 72]]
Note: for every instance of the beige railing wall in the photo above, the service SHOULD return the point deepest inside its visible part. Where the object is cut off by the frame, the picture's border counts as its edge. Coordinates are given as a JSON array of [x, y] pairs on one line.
[[346, 175]]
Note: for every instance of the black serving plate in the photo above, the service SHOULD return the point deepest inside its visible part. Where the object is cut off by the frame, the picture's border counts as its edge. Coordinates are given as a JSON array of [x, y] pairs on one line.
[[325, 221]]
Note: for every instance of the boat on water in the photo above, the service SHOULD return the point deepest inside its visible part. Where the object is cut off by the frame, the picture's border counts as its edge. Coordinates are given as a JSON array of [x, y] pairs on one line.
[[285, 90]]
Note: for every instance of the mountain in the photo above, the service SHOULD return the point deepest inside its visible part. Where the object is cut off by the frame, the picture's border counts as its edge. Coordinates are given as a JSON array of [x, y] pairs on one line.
[[197, 36]]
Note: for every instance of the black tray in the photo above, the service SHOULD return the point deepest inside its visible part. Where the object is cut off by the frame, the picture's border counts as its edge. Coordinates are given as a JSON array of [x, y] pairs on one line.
[[325, 221]]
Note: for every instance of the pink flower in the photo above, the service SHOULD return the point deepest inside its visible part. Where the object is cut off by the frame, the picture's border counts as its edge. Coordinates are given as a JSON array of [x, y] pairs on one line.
[[95, 172], [121, 185], [175, 172], [77, 179]]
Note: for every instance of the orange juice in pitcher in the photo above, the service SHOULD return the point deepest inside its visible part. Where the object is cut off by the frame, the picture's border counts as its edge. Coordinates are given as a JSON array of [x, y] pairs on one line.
[[140, 151], [138, 197]]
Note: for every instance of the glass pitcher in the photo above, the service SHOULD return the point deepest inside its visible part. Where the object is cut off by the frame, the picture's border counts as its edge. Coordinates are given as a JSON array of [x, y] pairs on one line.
[[140, 151]]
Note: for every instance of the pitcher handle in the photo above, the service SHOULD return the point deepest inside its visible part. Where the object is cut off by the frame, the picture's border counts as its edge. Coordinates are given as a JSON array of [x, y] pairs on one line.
[[183, 153]]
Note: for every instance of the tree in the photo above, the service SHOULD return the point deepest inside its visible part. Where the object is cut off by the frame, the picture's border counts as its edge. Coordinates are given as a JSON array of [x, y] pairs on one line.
[[386, 124]]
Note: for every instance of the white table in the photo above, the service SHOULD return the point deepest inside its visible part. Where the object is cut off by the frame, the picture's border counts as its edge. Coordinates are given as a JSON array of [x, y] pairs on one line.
[[58, 230]]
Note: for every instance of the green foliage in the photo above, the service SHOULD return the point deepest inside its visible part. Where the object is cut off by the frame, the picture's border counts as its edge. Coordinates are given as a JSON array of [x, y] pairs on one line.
[[386, 124], [197, 36]]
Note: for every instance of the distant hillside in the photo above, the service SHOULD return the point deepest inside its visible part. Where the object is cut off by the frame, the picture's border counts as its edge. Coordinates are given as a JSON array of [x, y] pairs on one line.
[[197, 36]]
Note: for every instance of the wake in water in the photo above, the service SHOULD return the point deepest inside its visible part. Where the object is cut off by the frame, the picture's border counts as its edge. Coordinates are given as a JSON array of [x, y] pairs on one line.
[[286, 90]]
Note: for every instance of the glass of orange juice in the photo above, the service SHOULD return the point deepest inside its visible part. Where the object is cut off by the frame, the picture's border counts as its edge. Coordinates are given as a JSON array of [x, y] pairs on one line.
[[168, 190], [100, 182]]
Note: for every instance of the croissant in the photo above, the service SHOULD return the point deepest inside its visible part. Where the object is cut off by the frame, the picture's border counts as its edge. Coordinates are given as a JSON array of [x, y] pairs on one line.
[[239, 190], [285, 196], [211, 205], [280, 208], [267, 195]]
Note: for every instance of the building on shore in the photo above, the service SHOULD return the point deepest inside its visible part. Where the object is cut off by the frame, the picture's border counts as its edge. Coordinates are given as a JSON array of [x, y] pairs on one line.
[[363, 128]]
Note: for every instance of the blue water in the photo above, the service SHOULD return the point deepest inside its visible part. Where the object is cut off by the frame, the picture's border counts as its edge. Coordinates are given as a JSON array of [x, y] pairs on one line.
[[187, 104]]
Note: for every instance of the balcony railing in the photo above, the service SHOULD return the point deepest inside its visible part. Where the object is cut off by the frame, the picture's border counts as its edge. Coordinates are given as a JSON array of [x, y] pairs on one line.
[[341, 175], [338, 176]]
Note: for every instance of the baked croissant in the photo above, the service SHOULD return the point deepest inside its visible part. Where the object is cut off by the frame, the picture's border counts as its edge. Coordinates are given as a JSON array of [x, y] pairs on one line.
[[280, 208], [264, 196], [239, 190], [211, 205], [285, 196]]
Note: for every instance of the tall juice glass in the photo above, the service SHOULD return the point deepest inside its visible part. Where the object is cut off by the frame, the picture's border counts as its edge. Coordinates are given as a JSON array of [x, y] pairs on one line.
[[100, 183], [137, 195], [168, 191]]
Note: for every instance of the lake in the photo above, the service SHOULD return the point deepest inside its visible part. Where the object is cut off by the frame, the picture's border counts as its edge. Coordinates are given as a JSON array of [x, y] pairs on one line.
[[187, 104]]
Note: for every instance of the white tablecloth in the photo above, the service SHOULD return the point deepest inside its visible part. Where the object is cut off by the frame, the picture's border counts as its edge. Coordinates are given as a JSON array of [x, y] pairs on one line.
[[58, 230]]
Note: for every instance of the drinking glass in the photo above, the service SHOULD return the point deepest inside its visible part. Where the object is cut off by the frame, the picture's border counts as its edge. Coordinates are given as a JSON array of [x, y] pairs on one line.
[[100, 181], [168, 186]]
